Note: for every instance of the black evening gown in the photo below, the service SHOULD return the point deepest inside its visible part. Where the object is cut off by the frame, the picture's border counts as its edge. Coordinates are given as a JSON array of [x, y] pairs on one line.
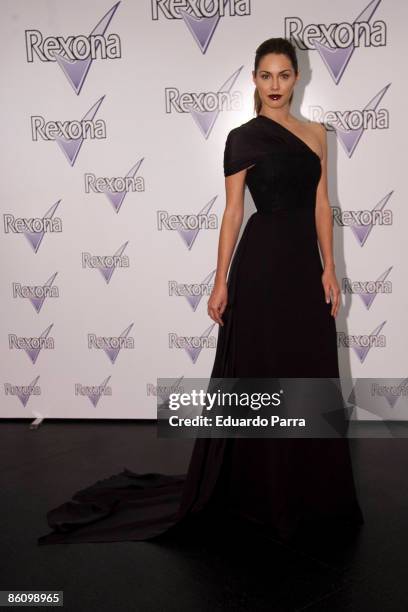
[[276, 324]]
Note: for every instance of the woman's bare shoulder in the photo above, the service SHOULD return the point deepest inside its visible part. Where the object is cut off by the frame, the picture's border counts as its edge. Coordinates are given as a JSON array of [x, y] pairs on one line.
[[313, 134], [312, 128], [317, 128]]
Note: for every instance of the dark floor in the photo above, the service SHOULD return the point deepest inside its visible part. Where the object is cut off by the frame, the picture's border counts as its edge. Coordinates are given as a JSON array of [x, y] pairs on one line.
[[41, 469]]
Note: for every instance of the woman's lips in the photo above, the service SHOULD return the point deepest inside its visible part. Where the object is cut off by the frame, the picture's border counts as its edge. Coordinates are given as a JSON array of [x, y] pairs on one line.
[[274, 96]]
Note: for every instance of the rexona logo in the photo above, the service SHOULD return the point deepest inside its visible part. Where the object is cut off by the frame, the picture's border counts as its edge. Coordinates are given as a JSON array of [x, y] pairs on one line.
[[23, 392], [162, 392], [193, 345], [368, 289], [94, 392], [188, 225], [389, 389], [361, 222], [106, 264], [116, 187], [336, 42], [33, 345], [75, 53], [204, 107], [70, 135], [34, 228], [200, 16], [380, 396], [363, 343], [112, 344], [349, 125], [192, 292], [36, 294]]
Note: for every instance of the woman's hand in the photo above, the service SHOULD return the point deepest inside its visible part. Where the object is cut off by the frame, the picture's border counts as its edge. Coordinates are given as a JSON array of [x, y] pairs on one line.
[[331, 289], [218, 301]]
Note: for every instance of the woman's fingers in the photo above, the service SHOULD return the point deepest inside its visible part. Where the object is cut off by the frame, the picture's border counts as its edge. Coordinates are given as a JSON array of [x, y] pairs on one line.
[[215, 314], [222, 308], [332, 294], [338, 301], [335, 301]]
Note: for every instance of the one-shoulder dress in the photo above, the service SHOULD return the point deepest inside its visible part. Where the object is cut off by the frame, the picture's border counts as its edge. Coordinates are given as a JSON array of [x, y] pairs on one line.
[[276, 324]]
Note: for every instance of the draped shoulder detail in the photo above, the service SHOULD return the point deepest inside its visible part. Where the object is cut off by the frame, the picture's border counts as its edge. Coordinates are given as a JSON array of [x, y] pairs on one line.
[[240, 149], [259, 137]]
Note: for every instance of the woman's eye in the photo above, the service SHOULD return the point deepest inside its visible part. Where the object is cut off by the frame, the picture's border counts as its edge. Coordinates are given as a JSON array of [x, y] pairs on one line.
[[266, 76]]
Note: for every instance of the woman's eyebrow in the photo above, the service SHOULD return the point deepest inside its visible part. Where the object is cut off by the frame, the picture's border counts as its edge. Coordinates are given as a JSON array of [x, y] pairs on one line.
[[284, 70]]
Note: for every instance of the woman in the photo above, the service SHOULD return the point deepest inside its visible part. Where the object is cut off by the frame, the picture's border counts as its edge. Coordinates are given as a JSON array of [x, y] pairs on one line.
[[277, 315]]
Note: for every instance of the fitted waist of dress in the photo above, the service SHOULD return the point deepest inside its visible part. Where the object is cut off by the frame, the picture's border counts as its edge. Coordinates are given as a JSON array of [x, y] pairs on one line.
[[296, 224], [289, 211]]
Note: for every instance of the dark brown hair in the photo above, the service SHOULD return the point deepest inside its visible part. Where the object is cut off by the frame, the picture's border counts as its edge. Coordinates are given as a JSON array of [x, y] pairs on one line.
[[274, 45]]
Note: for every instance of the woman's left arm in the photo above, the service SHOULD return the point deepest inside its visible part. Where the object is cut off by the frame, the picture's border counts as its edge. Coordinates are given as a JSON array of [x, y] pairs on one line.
[[324, 228]]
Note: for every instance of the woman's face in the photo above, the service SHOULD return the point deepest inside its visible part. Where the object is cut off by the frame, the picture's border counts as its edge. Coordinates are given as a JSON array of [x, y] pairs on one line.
[[275, 80]]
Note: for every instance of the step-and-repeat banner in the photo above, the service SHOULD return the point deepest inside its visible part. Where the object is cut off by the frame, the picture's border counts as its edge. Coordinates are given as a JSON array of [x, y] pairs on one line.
[[114, 120]]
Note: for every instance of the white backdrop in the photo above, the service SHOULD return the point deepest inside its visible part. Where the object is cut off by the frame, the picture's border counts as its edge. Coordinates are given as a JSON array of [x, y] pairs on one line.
[[103, 289]]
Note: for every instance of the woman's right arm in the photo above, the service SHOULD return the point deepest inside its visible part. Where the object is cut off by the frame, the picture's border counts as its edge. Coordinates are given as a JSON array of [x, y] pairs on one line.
[[230, 227]]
